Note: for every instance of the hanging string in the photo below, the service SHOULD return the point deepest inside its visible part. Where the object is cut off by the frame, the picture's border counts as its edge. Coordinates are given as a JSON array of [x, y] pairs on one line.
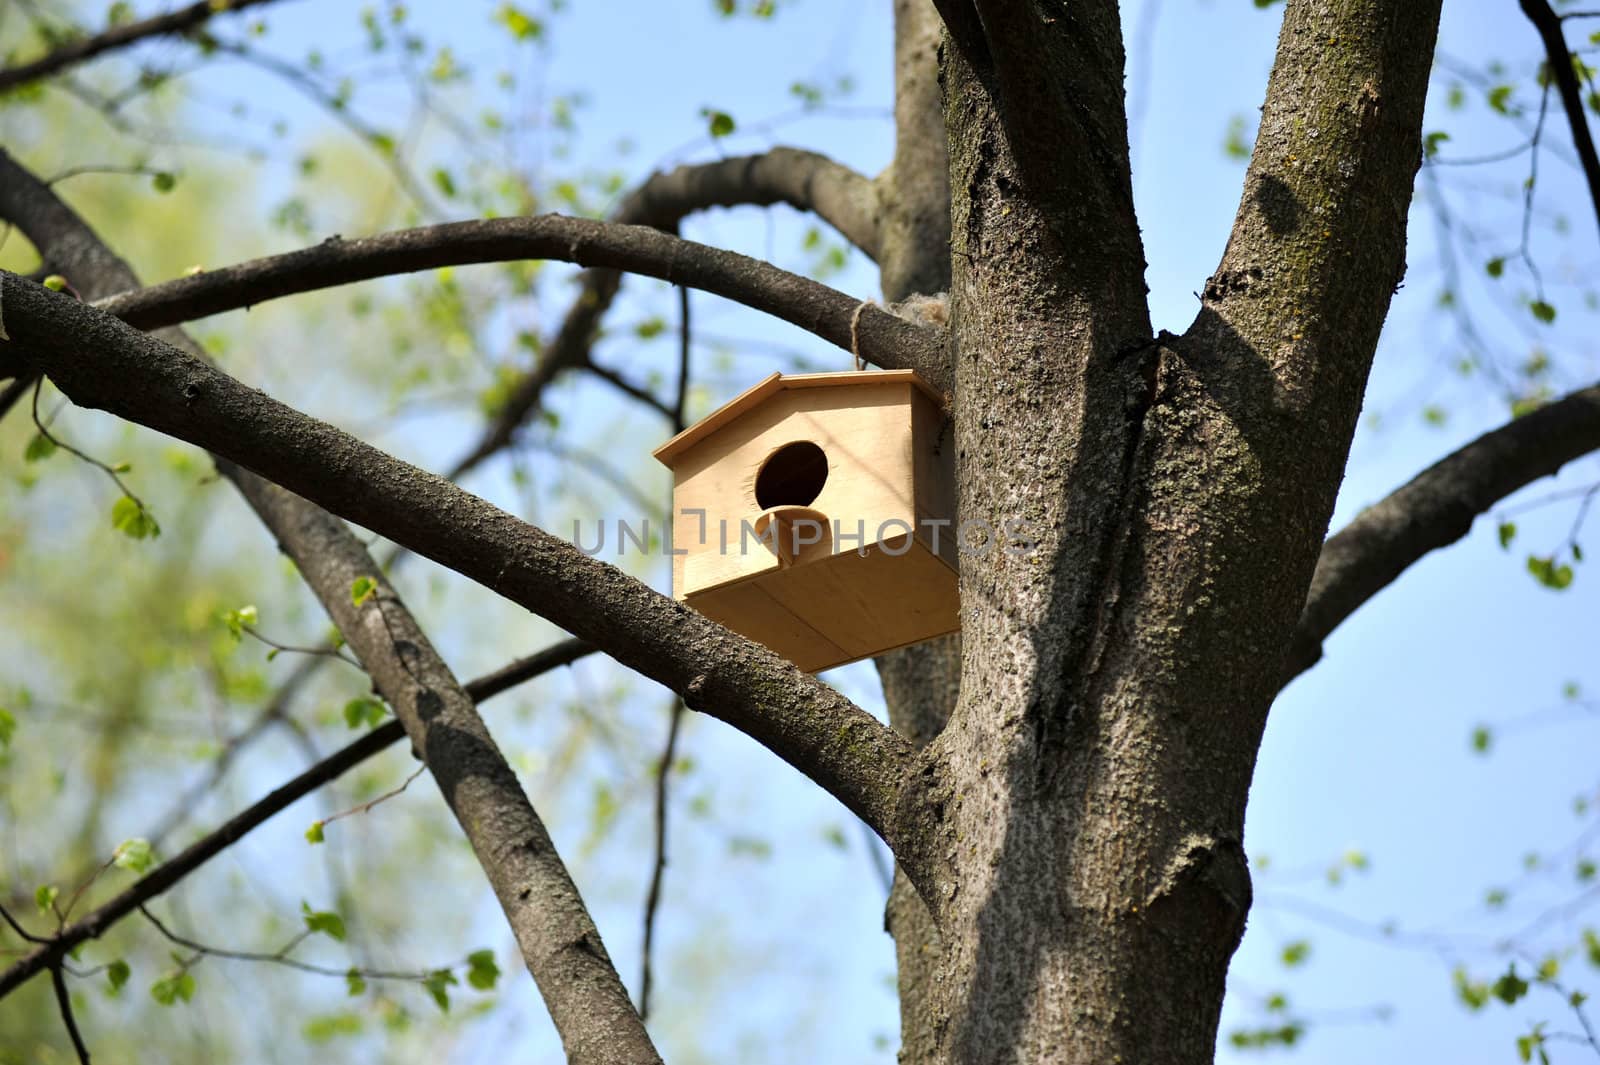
[[855, 333]]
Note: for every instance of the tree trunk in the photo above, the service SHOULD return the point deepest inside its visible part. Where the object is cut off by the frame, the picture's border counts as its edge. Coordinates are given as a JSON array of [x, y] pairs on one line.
[[1167, 495]]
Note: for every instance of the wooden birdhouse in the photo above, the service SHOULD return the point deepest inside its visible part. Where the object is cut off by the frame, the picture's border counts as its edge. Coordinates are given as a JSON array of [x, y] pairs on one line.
[[814, 514]]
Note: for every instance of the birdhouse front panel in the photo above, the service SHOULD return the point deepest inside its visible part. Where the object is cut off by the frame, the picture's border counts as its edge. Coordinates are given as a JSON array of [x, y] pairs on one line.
[[807, 511]]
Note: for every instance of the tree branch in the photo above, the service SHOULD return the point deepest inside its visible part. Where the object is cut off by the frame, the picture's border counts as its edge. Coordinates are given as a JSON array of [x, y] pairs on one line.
[[171, 24], [1559, 63], [99, 361], [169, 874], [804, 180], [1318, 244], [1436, 508], [884, 339], [560, 944], [64, 1004]]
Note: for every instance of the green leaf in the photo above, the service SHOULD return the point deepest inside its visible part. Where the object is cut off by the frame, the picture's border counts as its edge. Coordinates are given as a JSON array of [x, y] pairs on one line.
[[39, 448], [1510, 987], [326, 922], [1507, 532], [436, 984], [8, 727], [1543, 311], [523, 26], [314, 833], [55, 283], [173, 988], [445, 183], [164, 182], [720, 123], [355, 983], [1295, 953], [1499, 98], [1430, 143], [134, 855], [117, 974], [133, 520], [1473, 995], [1549, 969], [363, 711], [482, 972], [44, 897], [1496, 266], [362, 589], [1482, 739], [1548, 573], [238, 620]]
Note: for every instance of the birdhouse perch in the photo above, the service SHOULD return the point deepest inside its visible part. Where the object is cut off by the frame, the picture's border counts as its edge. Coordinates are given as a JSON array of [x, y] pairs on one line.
[[814, 514]]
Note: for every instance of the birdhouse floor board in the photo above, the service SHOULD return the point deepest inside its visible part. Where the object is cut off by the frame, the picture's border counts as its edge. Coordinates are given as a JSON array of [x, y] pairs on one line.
[[892, 596]]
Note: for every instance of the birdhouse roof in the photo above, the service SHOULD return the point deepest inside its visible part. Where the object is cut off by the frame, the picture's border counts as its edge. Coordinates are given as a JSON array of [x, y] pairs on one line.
[[753, 397]]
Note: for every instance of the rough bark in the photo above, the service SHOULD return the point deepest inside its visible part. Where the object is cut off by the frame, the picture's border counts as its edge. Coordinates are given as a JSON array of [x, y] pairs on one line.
[[1089, 790]]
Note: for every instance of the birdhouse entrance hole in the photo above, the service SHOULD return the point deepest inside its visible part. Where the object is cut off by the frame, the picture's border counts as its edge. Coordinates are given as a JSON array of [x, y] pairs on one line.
[[792, 476]]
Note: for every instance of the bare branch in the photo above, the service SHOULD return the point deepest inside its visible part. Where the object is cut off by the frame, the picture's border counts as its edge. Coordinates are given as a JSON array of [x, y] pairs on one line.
[[803, 180], [1559, 63], [99, 361], [886, 340], [170, 24], [1436, 508], [658, 867], [64, 1004], [168, 874]]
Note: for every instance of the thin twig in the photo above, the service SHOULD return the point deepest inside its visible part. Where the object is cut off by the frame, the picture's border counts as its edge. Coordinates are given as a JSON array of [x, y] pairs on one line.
[[1559, 64], [277, 957], [366, 807], [18, 929], [669, 751], [652, 902], [166, 875], [90, 459], [64, 1003], [325, 652]]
